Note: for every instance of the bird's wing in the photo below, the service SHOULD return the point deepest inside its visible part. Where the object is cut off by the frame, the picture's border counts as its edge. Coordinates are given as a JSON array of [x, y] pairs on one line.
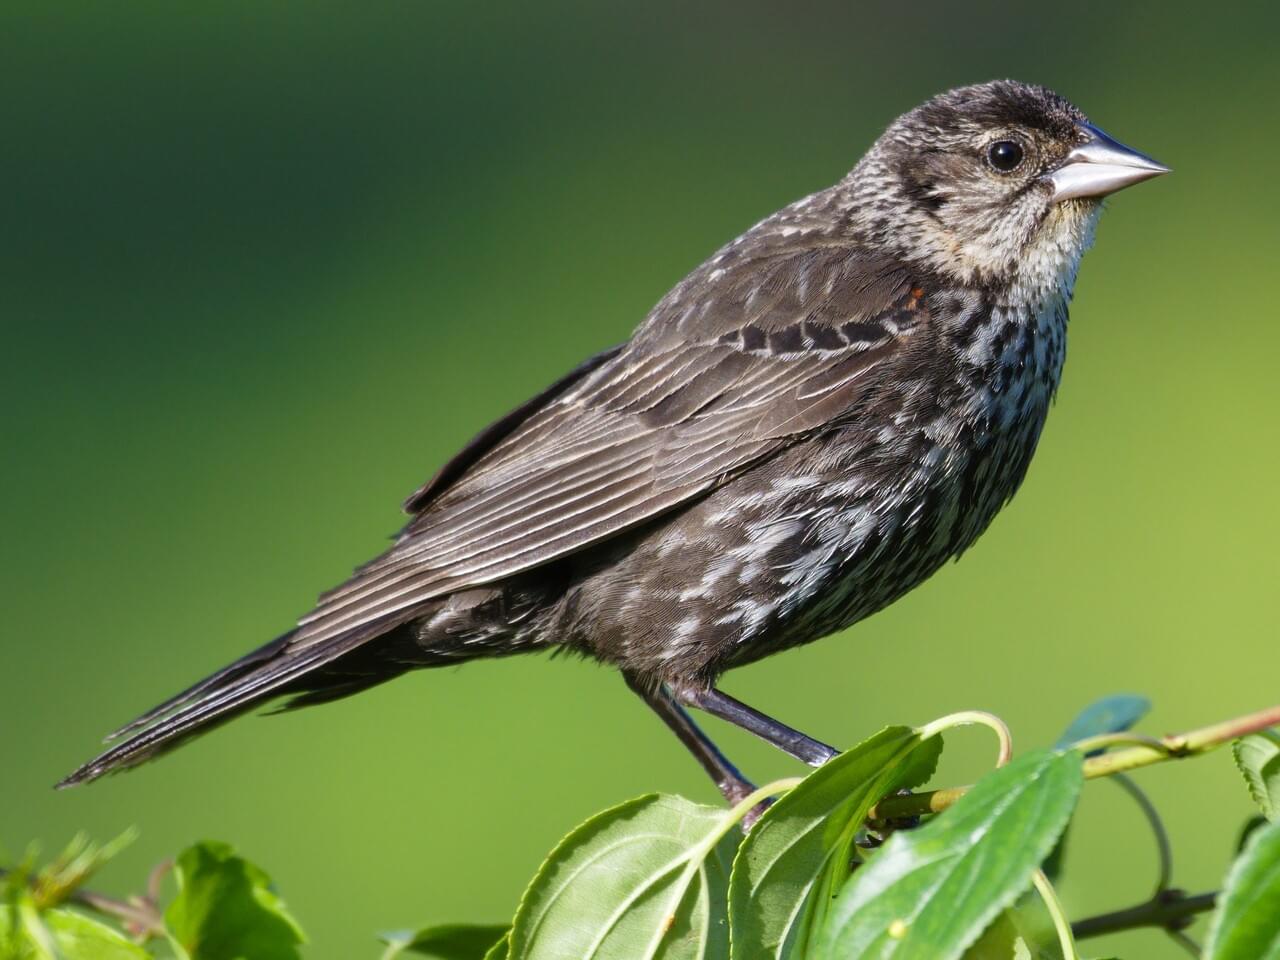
[[730, 368]]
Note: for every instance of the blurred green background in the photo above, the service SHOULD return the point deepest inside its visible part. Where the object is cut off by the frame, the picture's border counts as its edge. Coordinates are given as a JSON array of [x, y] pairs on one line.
[[264, 266]]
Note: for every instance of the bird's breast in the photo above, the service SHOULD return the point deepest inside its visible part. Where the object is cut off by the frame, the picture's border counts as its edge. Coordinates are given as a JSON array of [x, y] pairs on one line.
[[923, 485]]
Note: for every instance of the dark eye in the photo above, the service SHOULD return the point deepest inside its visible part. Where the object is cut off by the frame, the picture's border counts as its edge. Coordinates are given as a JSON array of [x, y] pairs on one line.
[[1005, 155]]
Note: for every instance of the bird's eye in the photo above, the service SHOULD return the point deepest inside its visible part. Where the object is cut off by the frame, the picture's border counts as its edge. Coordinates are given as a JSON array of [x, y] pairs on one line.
[[1005, 155]]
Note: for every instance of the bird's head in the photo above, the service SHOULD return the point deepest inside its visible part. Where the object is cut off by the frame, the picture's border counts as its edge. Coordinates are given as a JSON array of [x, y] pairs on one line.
[[997, 183]]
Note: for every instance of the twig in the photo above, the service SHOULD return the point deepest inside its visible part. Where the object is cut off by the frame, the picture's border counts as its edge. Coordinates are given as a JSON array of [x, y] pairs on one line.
[[140, 915], [1163, 848], [1174, 747], [1171, 910]]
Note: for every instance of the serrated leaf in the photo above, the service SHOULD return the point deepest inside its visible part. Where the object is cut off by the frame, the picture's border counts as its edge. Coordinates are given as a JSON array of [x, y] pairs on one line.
[[1258, 758], [447, 941], [226, 909], [1113, 714], [644, 880], [64, 935], [776, 889], [929, 893], [1246, 923]]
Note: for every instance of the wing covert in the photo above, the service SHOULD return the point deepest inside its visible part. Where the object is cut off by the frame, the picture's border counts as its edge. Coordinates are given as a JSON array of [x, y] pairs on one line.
[[636, 433]]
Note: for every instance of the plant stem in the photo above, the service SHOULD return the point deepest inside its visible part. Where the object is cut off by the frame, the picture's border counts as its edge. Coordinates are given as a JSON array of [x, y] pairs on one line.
[[1173, 747], [1171, 910], [139, 915], [1182, 940], [1051, 902], [1164, 849], [982, 717]]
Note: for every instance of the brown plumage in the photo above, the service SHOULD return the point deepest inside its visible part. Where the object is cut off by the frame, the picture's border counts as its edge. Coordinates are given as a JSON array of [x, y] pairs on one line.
[[803, 429]]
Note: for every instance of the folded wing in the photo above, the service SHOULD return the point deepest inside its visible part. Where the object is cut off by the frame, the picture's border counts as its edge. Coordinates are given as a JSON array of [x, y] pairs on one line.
[[653, 426]]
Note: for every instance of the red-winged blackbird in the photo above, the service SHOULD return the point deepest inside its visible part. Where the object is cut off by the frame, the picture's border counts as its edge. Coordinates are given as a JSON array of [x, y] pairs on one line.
[[804, 429]]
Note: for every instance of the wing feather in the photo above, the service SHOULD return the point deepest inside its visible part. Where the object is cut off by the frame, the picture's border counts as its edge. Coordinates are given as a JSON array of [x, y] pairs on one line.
[[638, 432]]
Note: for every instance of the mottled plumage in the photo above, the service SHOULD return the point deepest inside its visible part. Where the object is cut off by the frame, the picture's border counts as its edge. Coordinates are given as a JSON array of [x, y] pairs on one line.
[[802, 430]]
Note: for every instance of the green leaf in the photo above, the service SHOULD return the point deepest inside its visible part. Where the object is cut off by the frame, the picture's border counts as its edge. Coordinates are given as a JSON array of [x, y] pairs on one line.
[[226, 909], [63, 935], [929, 893], [500, 950], [646, 879], [452, 941], [1258, 757], [802, 843], [1246, 924], [1022, 932], [1113, 714], [1247, 831]]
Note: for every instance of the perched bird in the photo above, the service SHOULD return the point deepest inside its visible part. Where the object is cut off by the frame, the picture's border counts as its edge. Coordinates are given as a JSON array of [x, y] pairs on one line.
[[805, 428]]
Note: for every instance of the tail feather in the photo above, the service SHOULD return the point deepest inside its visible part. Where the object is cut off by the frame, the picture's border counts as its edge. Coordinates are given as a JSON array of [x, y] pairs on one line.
[[232, 670], [268, 672]]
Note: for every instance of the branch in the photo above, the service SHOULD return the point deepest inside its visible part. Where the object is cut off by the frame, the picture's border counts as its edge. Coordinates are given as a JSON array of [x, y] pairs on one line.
[[1174, 747], [1172, 910], [139, 915]]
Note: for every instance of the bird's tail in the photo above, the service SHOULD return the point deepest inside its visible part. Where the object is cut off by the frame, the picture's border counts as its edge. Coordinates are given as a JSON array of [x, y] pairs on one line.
[[277, 668]]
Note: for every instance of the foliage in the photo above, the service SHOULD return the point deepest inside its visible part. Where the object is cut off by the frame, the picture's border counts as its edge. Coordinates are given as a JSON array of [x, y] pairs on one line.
[[1247, 924], [1258, 757], [845, 865]]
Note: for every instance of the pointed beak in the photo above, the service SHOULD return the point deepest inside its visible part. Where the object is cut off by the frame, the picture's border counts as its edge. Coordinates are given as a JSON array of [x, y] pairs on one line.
[[1100, 166]]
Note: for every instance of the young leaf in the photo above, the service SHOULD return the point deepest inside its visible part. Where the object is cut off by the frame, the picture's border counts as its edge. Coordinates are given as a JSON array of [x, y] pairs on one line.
[[452, 941], [1258, 757], [63, 935], [79, 860], [1113, 714], [930, 892], [806, 837], [226, 909], [1246, 925], [644, 880]]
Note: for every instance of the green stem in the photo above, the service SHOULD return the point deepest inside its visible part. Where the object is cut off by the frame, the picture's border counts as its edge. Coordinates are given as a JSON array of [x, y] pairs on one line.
[[1163, 849], [1060, 921], [967, 717], [1104, 741], [1175, 747], [743, 806]]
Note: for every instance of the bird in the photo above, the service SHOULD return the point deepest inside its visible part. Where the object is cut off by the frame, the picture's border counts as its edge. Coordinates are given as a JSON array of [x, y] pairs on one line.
[[801, 431]]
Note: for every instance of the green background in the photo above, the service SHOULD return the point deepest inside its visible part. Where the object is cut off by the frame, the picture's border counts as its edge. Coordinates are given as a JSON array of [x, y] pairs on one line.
[[264, 266]]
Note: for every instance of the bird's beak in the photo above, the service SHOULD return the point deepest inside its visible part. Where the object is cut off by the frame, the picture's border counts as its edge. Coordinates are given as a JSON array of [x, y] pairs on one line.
[[1100, 166]]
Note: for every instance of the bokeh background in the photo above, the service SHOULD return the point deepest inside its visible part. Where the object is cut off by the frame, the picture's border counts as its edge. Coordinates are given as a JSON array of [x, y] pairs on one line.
[[263, 267]]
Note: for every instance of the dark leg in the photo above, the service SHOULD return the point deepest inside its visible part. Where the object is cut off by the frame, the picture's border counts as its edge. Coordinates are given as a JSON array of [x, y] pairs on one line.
[[785, 738], [727, 778]]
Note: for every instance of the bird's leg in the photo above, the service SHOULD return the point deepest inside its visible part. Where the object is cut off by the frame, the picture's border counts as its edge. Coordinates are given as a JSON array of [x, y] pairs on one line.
[[792, 741], [727, 777]]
